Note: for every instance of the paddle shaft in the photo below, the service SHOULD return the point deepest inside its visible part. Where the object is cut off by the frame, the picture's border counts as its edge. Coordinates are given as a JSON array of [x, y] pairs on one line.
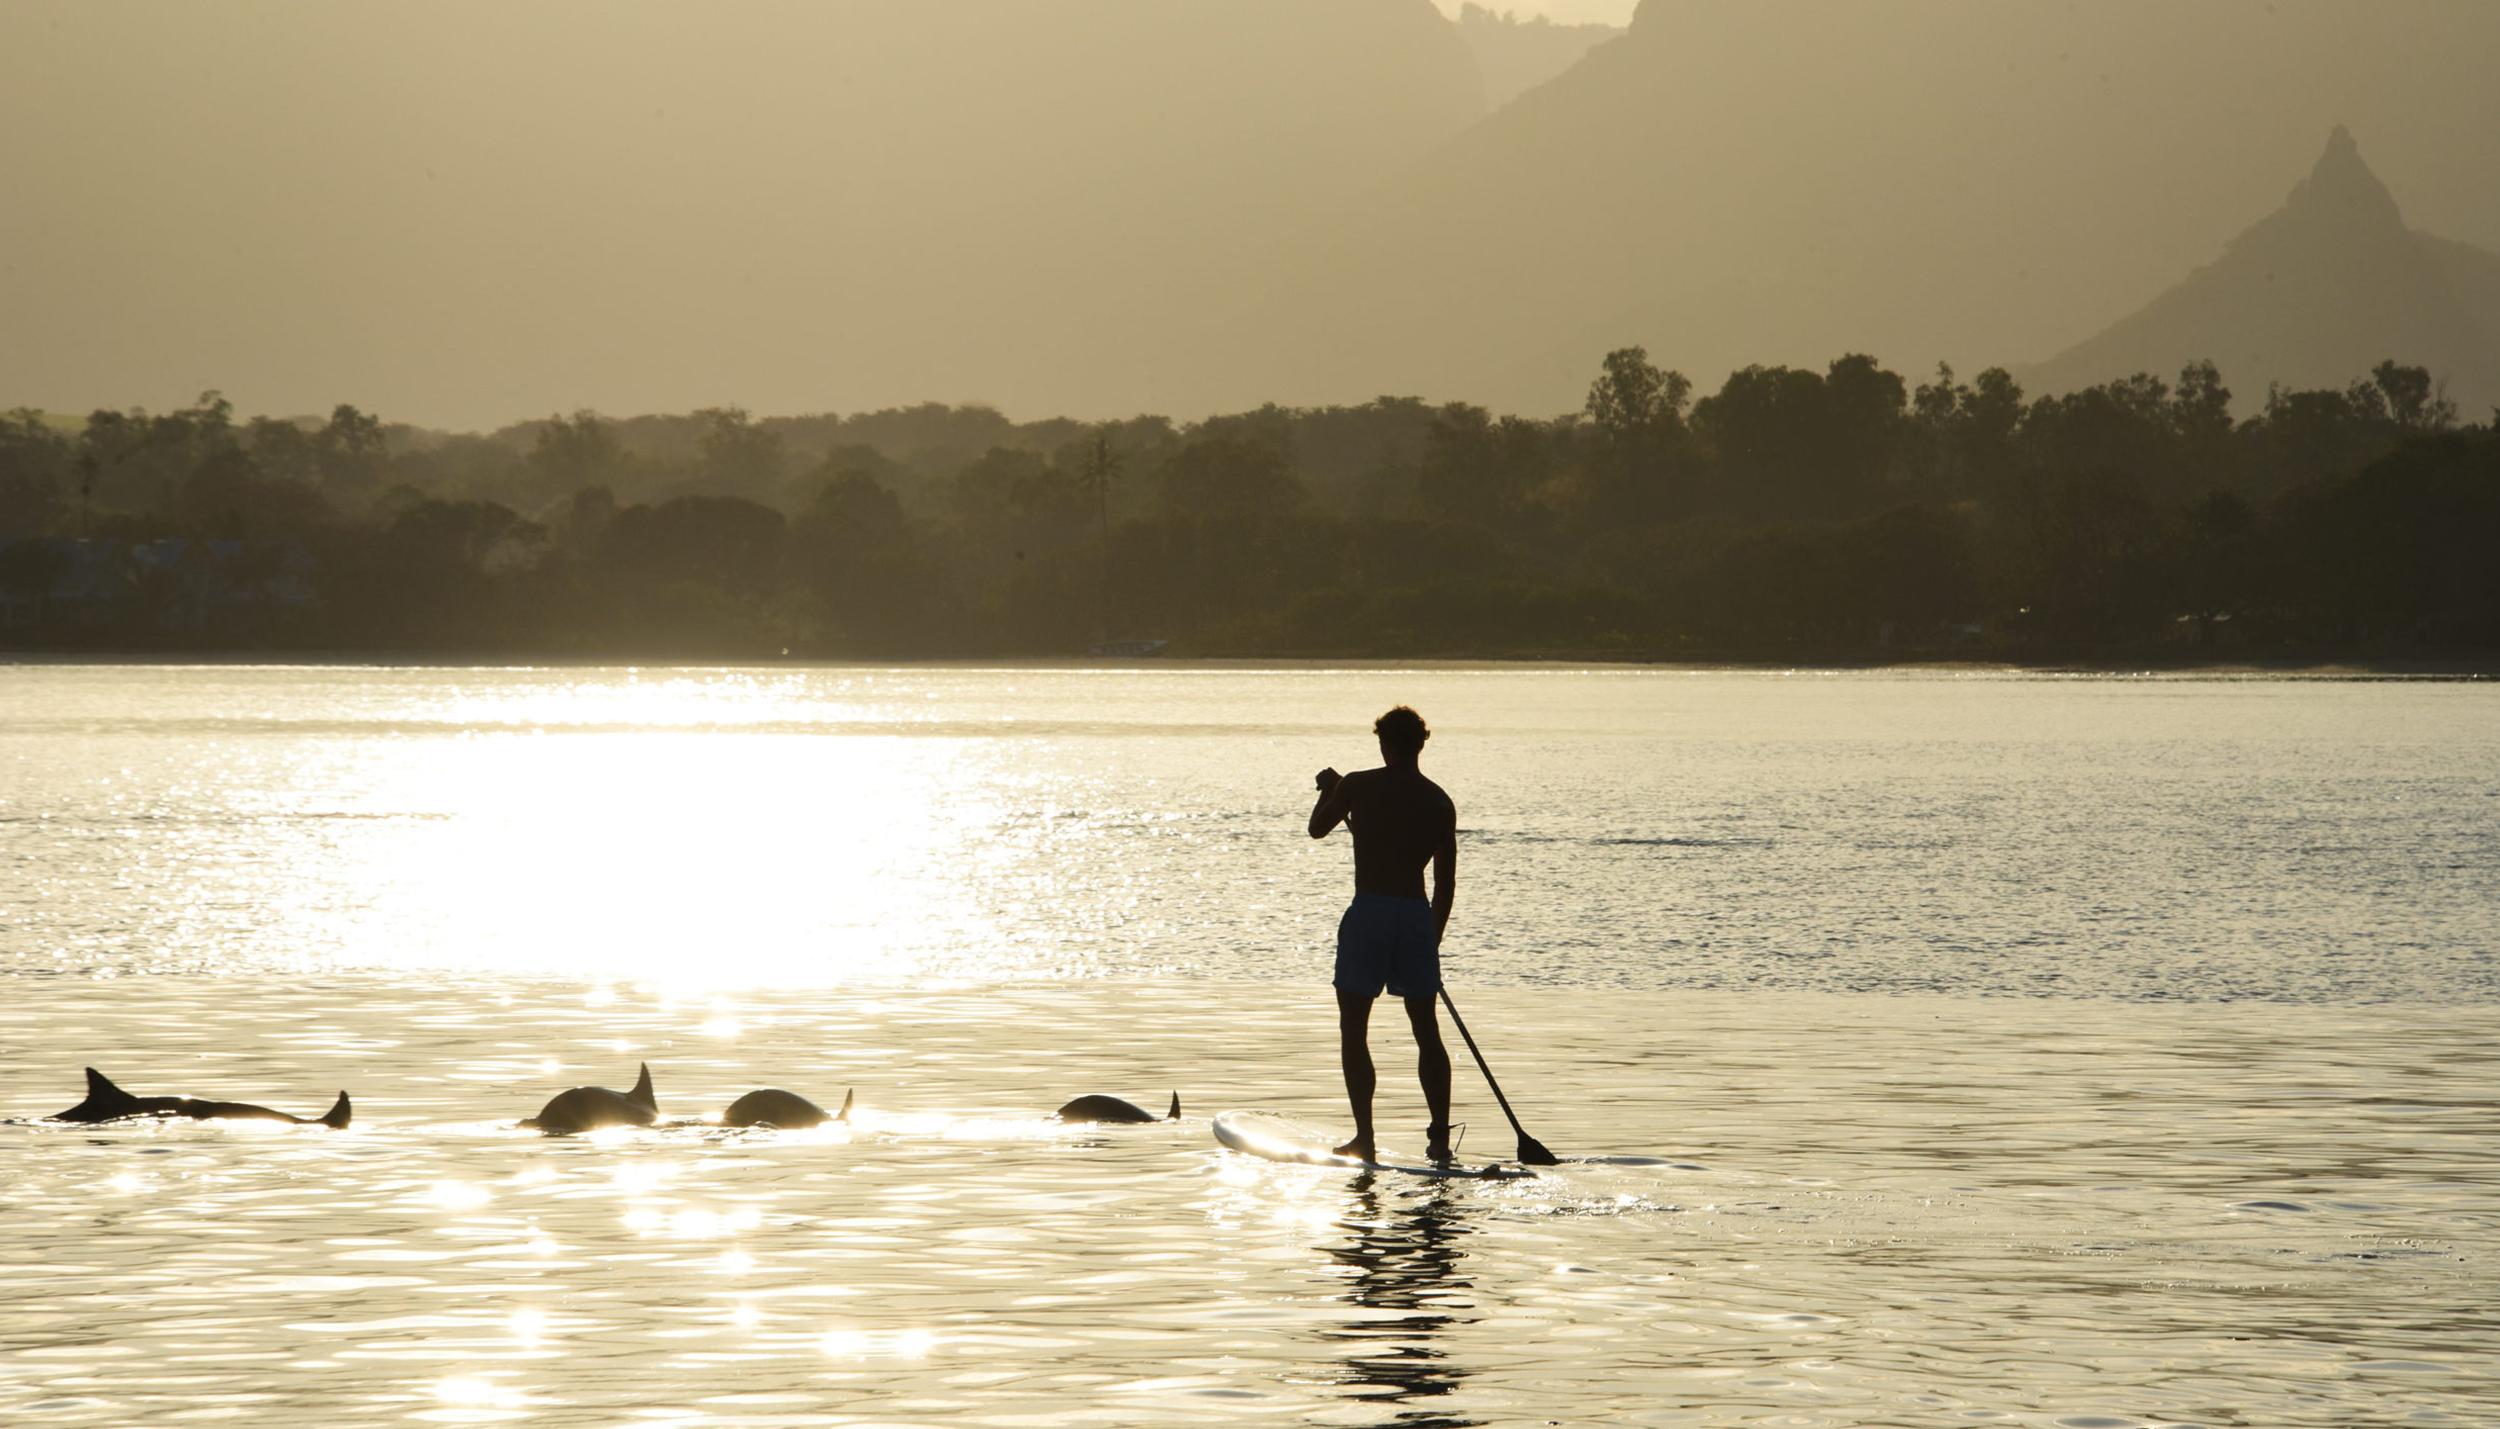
[[1484, 1067]]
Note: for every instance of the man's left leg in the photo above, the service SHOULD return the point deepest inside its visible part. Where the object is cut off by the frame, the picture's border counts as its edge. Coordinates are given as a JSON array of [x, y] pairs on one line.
[[1432, 1068], [1354, 1015]]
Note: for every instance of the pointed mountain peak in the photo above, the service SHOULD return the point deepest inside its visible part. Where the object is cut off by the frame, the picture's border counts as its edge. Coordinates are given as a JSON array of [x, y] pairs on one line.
[[1651, 17], [2341, 189], [2307, 294]]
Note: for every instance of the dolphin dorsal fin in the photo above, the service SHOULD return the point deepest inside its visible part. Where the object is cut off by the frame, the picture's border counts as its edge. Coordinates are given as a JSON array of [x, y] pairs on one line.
[[642, 1089], [1175, 1113], [100, 1085], [845, 1113], [337, 1117]]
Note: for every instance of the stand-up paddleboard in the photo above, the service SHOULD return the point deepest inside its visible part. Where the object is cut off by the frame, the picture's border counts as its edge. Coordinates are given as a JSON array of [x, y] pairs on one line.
[[1281, 1138]]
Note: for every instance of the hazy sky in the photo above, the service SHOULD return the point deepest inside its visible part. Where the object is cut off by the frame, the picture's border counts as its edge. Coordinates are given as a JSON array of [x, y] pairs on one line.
[[475, 211], [1604, 12]]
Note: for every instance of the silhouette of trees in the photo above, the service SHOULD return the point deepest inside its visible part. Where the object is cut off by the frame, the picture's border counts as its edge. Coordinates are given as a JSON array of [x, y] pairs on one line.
[[1792, 513], [726, 544], [737, 456], [2413, 400], [2400, 556], [1485, 472], [348, 452], [1636, 414], [1959, 438], [569, 453], [1230, 476], [35, 472], [142, 461], [857, 555], [226, 496]]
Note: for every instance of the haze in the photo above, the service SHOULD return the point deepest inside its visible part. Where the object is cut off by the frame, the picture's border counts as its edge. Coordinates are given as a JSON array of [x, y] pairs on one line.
[[1566, 12], [471, 212]]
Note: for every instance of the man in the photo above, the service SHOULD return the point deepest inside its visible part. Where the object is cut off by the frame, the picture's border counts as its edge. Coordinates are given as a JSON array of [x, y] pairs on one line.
[[1390, 937]]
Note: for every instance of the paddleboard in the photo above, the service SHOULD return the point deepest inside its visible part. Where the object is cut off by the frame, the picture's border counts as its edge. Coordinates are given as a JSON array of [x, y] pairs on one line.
[[1281, 1138]]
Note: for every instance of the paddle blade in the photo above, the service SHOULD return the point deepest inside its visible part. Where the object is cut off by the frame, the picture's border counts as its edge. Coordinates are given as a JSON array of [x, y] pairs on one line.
[[1532, 1152]]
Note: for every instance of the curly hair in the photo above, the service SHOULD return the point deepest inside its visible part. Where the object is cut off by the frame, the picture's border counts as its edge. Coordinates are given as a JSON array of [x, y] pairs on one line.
[[1403, 730]]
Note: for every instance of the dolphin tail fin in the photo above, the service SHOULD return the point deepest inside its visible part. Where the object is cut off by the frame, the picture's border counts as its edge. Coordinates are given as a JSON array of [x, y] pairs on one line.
[[1175, 1113], [642, 1089], [337, 1117], [845, 1113]]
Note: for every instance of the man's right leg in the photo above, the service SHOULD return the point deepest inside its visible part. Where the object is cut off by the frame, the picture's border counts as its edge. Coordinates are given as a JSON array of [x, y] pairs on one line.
[[1432, 1068], [1354, 1015]]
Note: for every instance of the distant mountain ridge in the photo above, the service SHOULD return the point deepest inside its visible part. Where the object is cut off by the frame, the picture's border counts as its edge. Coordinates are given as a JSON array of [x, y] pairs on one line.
[[1782, 181], [2312, 296], [1516, 55], [1102, 207]]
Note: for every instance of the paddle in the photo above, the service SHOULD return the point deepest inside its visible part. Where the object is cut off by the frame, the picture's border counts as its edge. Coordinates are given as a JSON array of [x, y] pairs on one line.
[[1532, 1152]]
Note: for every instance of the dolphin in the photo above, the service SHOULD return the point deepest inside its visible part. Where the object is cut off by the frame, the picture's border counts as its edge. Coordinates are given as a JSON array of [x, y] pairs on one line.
[[106, 1102], [1112, 1109], [590, 1108], [786, 1110]]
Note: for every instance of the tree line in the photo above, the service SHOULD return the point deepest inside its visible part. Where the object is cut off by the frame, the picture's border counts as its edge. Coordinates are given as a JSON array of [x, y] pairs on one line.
[[1794, 514]]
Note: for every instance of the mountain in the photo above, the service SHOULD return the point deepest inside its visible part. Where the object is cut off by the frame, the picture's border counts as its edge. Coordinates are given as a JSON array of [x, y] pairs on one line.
[[1783, 181], [2313, 296], [1516, 55], [2474, 276], [470, 211]]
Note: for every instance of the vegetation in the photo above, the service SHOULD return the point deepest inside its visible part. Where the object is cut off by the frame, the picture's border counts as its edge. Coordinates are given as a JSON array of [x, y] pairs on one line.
[[1846, 514]]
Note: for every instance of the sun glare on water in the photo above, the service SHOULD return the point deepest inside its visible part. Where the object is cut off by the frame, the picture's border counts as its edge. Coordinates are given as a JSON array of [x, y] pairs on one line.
[[605, 829]]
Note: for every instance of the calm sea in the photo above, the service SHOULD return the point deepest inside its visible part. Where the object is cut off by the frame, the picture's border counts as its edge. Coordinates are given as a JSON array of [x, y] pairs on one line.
[[1960, 1048]]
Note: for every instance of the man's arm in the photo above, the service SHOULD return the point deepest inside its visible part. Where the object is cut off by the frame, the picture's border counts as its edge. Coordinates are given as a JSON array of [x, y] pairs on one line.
[[1445, 875], [1335, 801]]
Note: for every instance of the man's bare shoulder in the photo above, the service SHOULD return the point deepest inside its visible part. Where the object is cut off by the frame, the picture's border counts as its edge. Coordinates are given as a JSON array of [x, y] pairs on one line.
[[1411, 790], [1442, 801]]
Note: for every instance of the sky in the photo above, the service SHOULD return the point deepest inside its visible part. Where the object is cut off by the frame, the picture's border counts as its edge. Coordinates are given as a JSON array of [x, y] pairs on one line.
[[1603, 12], [475, 212]]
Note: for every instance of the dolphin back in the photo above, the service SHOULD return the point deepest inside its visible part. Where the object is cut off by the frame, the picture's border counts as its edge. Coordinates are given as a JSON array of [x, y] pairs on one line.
[[785, 1110], [589, 1108], [1106, 1109], [773, 1107], [107, 1102]]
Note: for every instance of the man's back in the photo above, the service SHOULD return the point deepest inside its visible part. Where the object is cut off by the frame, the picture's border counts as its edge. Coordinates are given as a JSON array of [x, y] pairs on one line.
[[1400, 820]]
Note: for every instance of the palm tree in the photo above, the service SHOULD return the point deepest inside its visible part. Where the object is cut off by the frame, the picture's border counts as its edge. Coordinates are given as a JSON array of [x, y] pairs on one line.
[[1102, 464]]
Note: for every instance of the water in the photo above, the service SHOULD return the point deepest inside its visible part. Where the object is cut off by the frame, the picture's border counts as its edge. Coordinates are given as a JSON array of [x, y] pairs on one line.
[[1973, 1050]]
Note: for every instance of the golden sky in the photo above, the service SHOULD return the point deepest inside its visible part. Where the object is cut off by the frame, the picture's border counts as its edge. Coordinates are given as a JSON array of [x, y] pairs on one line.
[[470, 212]]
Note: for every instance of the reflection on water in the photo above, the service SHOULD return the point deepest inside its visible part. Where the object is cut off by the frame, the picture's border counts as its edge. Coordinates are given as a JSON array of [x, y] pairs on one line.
[[737, 830], [1405, 1262], [1940, 1085], [1868, 1211]]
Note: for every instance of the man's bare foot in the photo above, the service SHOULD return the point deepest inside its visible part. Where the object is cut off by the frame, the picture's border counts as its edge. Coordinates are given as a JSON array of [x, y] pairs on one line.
[[1361, 1148], [1437, 1145]]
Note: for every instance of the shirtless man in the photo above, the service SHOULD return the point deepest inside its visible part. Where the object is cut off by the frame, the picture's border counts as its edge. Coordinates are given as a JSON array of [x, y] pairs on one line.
[[1390, 937]]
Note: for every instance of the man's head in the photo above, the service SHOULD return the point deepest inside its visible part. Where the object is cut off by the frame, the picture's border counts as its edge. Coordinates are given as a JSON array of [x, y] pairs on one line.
[[1402, 734]]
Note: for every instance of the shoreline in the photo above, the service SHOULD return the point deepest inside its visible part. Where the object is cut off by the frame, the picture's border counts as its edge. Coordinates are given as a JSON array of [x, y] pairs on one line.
[[2460, 668], [644, 994]]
